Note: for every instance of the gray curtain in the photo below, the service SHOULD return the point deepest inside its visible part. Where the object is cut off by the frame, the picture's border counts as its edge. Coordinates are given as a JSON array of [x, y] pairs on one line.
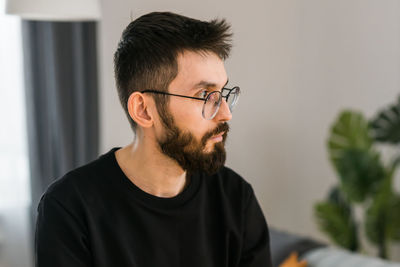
[[61, 98]]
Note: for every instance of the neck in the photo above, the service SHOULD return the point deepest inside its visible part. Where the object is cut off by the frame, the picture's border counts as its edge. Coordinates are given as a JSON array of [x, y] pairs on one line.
[[150, 170]]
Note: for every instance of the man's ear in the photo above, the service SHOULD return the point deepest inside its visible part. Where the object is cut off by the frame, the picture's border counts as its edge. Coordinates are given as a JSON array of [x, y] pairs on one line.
[[139, 110]]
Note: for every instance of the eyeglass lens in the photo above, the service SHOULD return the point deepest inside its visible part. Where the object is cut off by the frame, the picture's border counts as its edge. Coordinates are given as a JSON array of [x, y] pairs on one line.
[[211, 105], [232, 98], [213, 102]]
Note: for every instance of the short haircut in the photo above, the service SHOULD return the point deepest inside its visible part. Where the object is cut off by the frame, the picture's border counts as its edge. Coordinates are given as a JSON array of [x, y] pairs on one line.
[[146, 57]]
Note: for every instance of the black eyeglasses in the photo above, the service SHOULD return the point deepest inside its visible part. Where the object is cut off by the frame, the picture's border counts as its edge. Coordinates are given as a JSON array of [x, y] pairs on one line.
[[212, 101]]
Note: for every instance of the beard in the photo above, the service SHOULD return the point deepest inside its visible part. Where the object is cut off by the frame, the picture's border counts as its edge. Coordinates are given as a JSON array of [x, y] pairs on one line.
[[190, 153]]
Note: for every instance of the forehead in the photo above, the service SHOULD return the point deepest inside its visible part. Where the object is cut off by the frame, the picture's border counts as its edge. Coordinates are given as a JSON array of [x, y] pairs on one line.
[[198, 68]]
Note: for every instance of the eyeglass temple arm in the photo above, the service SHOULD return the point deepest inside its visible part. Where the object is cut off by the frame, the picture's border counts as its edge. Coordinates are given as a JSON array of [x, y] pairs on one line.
[[191, 97], [164, 93]]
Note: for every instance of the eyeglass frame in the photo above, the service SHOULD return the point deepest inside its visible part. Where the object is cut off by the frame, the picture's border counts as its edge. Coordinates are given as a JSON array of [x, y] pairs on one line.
[[202, 99]]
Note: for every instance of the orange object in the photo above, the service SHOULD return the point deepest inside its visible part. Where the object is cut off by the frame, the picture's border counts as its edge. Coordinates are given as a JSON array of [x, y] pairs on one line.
[[292, 261]]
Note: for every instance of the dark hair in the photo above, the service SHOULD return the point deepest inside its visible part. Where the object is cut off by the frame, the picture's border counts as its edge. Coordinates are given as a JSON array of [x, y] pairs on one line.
[[147, 53]]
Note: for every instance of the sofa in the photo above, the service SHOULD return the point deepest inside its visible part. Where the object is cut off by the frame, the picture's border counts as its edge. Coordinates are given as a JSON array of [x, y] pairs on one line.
[[318, 254]]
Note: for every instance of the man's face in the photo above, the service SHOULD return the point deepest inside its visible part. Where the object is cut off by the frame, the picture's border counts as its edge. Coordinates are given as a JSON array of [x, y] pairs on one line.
[[194, 142]]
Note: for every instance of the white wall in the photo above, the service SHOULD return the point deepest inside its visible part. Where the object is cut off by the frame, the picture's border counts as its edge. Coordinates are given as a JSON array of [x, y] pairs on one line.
[[298, 63]]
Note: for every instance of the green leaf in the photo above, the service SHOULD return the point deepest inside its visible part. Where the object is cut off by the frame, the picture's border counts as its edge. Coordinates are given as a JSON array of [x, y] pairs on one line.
[[394, 232], [349, 131], [334, 217], [382, 220], [360, 173], [385, 127], [377, 215]]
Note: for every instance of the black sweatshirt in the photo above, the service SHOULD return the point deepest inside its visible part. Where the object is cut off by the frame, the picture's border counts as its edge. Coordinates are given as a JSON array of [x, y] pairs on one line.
[[95, 216]]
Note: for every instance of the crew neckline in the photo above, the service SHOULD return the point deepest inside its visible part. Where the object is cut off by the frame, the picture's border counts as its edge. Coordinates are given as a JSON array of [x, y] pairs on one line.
[[161, 202]]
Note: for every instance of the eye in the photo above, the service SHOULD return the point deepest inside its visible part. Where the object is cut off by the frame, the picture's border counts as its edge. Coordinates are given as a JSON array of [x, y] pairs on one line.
[[203, 93]]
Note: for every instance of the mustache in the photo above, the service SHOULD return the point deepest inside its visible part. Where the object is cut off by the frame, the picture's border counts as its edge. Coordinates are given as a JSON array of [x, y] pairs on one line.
[[222, 127]]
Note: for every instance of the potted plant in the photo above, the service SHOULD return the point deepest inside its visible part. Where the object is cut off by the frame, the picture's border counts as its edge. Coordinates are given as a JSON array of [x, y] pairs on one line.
[[365, 181]]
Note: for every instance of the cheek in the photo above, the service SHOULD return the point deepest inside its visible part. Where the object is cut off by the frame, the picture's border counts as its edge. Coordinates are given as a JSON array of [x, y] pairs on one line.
[[188, 116]]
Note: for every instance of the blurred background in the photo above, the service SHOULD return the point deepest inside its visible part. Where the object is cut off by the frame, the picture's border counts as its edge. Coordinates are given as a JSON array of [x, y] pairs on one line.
[[298, 63]]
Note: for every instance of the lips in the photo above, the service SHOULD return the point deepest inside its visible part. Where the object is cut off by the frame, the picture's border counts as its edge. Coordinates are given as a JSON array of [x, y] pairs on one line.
[[217, 134], [218, 137]]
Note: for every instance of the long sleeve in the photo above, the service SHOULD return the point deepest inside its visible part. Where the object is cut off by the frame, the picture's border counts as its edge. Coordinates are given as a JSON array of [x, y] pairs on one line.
[[256, 247], [60, 238]]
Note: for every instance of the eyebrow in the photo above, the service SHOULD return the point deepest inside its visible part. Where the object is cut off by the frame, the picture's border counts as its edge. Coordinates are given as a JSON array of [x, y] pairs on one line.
[[207, 84]]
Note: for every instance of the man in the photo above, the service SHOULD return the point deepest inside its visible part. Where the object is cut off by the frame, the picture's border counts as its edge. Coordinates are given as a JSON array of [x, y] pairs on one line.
[[166, 199]]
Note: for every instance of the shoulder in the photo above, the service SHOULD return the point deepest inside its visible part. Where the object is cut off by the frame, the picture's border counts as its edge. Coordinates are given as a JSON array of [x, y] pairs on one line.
[[82, 181]]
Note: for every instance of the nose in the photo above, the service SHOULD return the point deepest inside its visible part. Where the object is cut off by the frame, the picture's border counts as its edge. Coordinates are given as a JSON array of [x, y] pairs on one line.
[[224, 114]]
